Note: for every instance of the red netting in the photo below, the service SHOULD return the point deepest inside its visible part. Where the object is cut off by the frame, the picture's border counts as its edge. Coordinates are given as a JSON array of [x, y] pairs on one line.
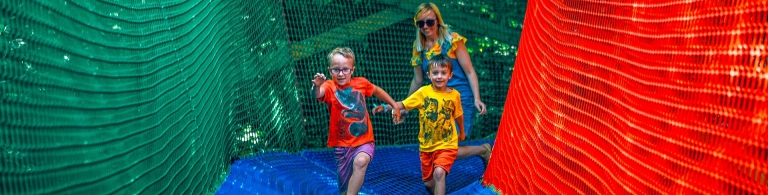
[[640, 97]]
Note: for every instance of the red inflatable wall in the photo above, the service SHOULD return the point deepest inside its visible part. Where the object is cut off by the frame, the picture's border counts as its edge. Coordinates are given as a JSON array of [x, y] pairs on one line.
[[637, 97]]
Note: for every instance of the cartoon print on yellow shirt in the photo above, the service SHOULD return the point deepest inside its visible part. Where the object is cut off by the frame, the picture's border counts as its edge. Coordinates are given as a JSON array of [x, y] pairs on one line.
[[437, 121], [446, 121]]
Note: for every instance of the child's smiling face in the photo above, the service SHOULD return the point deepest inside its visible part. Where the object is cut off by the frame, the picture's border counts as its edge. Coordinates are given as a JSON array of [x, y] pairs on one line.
[[341, 69], [439, 75]]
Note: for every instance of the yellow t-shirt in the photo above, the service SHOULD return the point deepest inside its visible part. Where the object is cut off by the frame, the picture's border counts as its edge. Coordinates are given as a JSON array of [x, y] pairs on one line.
[[437, 114]]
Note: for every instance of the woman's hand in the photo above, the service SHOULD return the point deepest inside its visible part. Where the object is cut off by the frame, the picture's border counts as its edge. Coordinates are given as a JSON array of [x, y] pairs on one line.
[[480, 106]]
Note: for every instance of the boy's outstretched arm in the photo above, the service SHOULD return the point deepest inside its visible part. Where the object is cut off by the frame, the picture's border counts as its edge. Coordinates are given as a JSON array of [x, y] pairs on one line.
[[384, 96], [400, 103], [317, 90], [460, 125]]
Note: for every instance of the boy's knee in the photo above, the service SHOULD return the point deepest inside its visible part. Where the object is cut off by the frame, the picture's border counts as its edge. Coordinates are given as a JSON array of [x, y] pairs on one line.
[[439, 174], [362, 159]]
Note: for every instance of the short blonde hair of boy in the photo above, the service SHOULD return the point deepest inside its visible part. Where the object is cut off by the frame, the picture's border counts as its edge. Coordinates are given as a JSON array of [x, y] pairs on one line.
[[441, 61], [343, 51]]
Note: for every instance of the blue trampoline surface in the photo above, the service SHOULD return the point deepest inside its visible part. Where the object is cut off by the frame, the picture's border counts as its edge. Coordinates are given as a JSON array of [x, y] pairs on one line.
[[393, 170]]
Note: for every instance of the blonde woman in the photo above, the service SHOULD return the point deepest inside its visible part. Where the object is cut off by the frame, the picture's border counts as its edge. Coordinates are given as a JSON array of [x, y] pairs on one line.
[[433, 38]]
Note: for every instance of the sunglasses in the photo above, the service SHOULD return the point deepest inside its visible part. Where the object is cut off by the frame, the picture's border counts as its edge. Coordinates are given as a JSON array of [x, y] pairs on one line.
[[430, 23]]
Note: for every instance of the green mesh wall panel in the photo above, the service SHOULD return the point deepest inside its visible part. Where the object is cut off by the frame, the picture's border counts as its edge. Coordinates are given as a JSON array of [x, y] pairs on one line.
[[149, 96], [122, 97]]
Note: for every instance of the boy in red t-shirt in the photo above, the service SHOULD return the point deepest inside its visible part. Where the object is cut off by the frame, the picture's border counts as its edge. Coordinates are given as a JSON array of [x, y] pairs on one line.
[[351, 133]]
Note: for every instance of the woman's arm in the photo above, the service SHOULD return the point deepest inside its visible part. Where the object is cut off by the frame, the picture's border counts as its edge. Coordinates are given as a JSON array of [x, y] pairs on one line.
[[466, 64], [418, 78]]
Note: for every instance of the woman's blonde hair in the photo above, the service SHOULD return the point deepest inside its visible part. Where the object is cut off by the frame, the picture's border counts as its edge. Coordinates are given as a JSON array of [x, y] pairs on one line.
[[443, 32]]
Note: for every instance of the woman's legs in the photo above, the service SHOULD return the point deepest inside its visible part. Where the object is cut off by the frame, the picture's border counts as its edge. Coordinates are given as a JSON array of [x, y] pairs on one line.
[[471, 151], [483, 151]]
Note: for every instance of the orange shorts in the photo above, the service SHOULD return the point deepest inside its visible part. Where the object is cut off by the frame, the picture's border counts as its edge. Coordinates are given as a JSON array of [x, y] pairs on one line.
[[439, 158]]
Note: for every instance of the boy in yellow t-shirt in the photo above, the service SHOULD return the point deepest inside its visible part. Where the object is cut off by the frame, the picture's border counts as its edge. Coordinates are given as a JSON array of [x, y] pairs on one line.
[[440, 114]]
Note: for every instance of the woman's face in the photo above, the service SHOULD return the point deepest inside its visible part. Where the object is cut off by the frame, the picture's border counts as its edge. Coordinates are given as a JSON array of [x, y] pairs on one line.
[[426, 30]]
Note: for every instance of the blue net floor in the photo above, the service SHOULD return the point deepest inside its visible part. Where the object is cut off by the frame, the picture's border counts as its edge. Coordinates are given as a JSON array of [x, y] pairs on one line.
[[393, 170]]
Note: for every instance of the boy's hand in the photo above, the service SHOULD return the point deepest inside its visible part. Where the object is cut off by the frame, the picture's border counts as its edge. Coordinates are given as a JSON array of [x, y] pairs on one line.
[[398, 116], [319, 79], [462, 136]]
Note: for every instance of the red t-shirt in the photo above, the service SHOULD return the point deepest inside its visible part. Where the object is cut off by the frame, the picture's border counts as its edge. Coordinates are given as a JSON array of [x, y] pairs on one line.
[[350, 125]]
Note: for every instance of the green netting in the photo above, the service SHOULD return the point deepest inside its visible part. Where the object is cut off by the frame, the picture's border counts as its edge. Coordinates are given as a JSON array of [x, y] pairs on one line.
[[148, 96]]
